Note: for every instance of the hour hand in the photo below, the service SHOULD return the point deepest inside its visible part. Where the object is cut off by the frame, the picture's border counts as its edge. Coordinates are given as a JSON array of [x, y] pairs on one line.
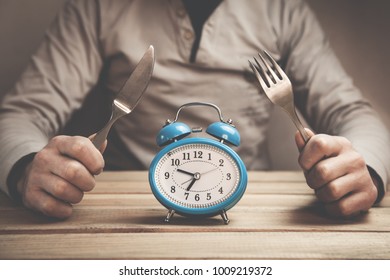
[[185, 172]]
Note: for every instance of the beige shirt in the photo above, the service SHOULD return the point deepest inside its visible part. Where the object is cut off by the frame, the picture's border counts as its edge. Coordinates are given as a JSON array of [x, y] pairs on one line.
[[96, 44]]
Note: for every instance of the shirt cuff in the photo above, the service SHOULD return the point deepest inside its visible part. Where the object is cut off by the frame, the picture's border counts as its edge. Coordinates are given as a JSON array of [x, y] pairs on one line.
[[379, 184], [15, 175]]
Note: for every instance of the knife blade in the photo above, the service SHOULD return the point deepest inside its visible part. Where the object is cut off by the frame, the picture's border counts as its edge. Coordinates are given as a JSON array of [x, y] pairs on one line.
[[129, 95]]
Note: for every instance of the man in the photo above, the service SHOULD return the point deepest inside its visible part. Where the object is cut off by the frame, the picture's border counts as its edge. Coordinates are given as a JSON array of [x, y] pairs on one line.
[[202, 49]]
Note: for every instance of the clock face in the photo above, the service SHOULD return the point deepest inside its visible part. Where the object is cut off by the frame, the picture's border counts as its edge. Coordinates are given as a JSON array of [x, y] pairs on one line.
[[196, 175]]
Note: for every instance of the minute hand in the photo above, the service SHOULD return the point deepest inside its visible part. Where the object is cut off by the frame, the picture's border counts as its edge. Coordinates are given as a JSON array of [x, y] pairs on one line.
[[208, 171], [191, 184]]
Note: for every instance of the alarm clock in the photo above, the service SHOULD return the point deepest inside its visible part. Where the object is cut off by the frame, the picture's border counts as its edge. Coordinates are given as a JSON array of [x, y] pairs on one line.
[[198, 176]]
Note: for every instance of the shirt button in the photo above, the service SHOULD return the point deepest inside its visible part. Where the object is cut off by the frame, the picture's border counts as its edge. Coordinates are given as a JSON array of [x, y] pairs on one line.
[[188, 34], [181, 12]]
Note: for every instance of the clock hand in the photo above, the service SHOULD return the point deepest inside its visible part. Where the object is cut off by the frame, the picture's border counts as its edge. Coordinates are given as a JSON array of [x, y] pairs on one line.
[[191, 184], [188, 173], [194, 179], [185, 172], [187, 181], [195, 173], [209, 171]]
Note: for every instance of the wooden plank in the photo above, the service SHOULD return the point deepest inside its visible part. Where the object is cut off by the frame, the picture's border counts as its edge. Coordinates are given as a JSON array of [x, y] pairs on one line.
[[129, 188], [276, 176], [280, 201], [142, 201], [117, 176], [200, 245], [144, 188], [115, 218], [149, 201]]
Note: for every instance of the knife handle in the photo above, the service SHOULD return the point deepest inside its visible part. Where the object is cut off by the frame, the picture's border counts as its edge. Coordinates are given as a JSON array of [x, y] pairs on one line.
[[102, 134]]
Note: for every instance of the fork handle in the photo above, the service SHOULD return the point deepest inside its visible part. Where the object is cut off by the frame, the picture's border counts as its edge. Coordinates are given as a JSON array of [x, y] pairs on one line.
[[294, 117], [302, 131]]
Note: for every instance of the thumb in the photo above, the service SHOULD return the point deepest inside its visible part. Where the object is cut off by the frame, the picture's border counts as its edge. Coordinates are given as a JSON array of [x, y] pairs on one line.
[[299, 139]]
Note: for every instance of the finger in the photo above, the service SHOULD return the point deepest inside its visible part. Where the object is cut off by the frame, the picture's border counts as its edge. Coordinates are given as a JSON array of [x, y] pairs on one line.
[[336, 189], [299, 139], [56, 186], [63, 190], [103, 146], [83, 150], [350, 206], [43, 202], [73, 172], [47, 162], [319, 147], [327, 170]]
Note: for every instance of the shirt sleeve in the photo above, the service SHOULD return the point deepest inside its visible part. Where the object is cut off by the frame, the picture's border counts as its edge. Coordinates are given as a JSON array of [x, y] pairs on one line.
[[324, 93], [56, 81]]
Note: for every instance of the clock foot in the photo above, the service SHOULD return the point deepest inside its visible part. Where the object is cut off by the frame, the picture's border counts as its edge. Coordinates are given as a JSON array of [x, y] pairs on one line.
[[225, 217], [169, 215]]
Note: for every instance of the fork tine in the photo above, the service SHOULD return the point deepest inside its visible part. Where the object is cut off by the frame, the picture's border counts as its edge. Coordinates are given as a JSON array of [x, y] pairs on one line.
[[273, 75], [263, 84], [279, 70], [263, 73]]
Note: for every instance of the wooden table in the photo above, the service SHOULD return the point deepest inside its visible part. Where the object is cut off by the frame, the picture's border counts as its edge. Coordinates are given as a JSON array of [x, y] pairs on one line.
[[278, 218]]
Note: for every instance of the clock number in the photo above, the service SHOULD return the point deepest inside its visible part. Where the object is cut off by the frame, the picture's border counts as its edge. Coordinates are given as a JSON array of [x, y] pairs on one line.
[[166, 174], [175, 162], [209, 156], [186, 156], [173, 189], [220, 190], [221, 162], [198, 154], [208, 197], [197, 197], [228, 176], [186, 194]]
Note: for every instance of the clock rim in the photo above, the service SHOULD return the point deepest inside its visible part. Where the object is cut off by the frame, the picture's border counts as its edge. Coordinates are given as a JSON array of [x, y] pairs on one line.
[[207, 211]]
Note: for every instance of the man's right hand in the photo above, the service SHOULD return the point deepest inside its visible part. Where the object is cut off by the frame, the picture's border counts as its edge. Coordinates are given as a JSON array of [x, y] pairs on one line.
[[59, 175]]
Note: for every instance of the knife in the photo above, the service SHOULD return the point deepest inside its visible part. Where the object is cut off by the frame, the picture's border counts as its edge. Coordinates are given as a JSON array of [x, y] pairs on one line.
[[130, 94]]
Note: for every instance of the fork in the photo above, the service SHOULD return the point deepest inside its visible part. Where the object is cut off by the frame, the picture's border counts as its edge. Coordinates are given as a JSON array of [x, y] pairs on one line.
[[277, 87]]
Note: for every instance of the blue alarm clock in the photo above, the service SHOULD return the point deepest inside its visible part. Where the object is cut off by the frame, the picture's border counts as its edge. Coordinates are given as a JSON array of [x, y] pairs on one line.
[[198, 176]]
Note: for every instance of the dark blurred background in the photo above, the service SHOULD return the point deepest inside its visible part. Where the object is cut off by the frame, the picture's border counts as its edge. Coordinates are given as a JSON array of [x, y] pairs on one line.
[[359, 31]]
